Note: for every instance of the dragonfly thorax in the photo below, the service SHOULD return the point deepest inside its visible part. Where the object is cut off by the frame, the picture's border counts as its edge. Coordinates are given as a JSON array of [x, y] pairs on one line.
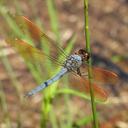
[[73, 62]]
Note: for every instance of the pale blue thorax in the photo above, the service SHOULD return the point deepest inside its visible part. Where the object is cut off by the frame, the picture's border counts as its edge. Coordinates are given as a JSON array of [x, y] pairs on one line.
[[72, 63]]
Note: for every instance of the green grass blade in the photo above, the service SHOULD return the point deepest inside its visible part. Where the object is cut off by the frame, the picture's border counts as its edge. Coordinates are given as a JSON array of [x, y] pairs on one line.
[[83, 122], [53, 18]]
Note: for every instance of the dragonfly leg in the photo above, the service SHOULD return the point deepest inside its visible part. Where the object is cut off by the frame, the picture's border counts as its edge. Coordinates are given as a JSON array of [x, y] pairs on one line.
[[78, 72]]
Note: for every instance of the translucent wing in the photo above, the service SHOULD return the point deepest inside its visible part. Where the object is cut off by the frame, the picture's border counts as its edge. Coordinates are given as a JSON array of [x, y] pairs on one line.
[[78, 83], [28, 52], [100, 76], [38, 36]]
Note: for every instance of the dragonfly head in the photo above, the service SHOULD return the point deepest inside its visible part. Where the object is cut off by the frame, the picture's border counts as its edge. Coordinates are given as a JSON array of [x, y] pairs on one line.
[[84, 54]]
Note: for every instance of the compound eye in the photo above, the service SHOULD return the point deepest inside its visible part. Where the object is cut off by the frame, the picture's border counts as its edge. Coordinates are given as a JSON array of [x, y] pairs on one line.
[[87, 56]]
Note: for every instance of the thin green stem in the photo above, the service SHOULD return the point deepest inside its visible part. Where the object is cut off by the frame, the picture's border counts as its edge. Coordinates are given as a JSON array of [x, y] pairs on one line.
[[90, 75]]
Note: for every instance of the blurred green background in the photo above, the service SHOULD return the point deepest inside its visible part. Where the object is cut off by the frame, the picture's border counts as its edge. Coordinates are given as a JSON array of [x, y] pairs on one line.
[[63, 21]]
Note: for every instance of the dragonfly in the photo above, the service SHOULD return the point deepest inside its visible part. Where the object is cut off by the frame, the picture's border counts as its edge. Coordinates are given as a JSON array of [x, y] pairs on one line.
[[75, 64]]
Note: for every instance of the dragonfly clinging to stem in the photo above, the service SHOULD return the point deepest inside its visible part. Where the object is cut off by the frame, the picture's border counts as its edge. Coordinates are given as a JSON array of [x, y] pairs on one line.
[[74, 63]]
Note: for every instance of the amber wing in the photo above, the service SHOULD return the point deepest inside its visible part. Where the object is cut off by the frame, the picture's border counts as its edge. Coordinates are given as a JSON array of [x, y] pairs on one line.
[[39, 36], [100, 77]]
